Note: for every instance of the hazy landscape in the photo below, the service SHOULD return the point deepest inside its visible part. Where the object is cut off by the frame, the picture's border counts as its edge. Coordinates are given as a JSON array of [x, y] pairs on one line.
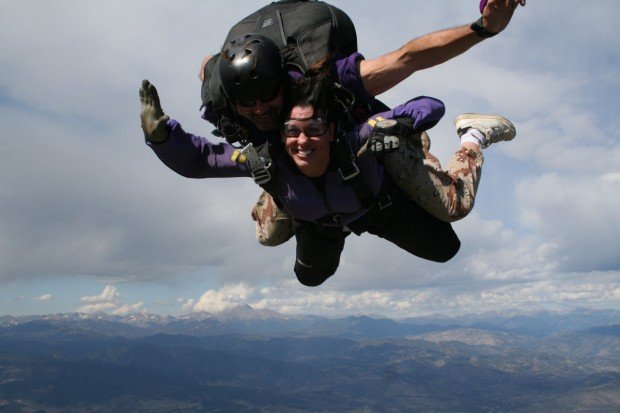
[[246, 360]]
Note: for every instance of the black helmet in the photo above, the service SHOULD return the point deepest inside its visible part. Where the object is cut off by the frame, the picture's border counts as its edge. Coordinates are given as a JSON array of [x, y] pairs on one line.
[[251, 67]]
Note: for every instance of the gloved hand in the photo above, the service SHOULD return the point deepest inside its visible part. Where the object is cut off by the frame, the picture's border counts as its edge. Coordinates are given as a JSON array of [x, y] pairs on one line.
[[386, 135], [154, 122], [383, 138]]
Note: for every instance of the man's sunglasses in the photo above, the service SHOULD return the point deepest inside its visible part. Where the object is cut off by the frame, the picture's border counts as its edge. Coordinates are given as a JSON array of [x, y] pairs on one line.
[[315, 127], [251, 102]]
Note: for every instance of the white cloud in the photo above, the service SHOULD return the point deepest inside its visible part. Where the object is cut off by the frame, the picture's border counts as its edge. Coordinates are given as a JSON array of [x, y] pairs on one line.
[[187, 304], [228, 296], [109, 302], [561, 291], [549, 292], [95, 308], [579, 214], [44, 297], [108, 295], [127, 309]]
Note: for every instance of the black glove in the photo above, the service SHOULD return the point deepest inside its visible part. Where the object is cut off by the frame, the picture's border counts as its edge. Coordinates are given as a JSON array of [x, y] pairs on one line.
[[154, 122], [386, 134]]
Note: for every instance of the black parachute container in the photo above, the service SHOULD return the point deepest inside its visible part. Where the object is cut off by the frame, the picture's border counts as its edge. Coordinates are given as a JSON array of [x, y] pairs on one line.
[[305, 30]]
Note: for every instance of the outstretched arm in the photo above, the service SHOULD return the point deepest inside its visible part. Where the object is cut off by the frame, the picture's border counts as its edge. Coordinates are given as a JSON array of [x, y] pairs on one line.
[[384, 72], [188, 155]]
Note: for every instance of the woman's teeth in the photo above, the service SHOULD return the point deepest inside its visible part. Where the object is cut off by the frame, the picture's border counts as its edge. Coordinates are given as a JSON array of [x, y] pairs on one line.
[[304, 152]]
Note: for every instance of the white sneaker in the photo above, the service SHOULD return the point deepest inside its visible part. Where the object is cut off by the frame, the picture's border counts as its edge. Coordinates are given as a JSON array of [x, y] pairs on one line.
[[495, 128]]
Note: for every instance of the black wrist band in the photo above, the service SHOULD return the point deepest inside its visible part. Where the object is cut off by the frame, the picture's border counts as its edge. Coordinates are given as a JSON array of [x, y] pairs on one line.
[[480, 30]]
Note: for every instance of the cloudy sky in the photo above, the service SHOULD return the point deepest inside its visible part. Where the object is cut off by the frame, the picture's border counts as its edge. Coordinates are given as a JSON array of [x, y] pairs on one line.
[[91, 220]]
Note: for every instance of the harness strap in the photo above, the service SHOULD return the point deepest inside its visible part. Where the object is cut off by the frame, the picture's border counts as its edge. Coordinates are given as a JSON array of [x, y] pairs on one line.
[[350, 172], [272, 150], [262, 164], [380, 214]]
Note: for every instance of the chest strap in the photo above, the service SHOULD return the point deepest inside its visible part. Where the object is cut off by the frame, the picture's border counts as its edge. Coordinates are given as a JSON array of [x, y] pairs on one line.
[[350, 171]]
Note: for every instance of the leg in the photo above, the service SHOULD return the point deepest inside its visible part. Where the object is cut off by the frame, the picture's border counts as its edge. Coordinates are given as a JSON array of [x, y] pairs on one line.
[[448, 195], [273, 225], [411, 228], [455, 187], [318, 252]]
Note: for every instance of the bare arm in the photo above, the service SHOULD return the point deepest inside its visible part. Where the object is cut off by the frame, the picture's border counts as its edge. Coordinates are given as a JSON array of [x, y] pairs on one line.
[[384, 72]]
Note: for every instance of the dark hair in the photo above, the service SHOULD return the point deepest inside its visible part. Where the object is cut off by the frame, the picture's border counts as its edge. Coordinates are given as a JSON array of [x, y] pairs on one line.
[[330, 100]]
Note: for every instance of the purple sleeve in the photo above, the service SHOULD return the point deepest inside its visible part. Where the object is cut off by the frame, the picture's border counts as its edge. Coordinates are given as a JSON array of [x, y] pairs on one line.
[[195, 157], [346, 72], [423, 110]]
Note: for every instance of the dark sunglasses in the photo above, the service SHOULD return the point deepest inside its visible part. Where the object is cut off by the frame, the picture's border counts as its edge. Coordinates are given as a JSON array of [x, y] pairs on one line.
[[316, 127], [251, 102]]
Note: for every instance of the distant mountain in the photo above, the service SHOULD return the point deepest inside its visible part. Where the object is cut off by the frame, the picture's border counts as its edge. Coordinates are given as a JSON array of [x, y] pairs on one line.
[[612, 330], [244, 319], [540, 323], [479, 338], [247, 360]]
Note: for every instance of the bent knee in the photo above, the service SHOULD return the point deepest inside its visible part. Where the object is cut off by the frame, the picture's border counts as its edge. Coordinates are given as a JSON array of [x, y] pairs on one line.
[[312, 277], [312, 281], [446, 252], [274, 234], [272, 241]]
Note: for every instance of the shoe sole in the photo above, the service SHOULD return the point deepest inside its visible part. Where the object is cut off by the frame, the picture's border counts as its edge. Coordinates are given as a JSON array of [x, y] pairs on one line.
[[475, 116], [468, 120]]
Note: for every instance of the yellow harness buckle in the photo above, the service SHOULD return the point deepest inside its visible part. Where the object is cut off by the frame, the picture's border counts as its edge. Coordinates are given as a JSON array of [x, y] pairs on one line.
[[237, 156], [373, 121]]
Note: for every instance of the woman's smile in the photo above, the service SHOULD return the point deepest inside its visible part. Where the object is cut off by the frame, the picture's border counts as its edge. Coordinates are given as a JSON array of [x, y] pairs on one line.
[[307, 139]]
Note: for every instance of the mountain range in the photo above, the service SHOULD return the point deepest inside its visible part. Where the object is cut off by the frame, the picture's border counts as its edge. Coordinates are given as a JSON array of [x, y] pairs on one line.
[[250, 360]]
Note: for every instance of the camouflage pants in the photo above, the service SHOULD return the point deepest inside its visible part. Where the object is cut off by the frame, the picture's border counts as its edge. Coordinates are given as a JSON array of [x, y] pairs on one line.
[[446, 194]]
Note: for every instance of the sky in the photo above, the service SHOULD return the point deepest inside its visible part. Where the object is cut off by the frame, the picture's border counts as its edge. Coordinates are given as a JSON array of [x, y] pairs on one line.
[[91, 220]]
